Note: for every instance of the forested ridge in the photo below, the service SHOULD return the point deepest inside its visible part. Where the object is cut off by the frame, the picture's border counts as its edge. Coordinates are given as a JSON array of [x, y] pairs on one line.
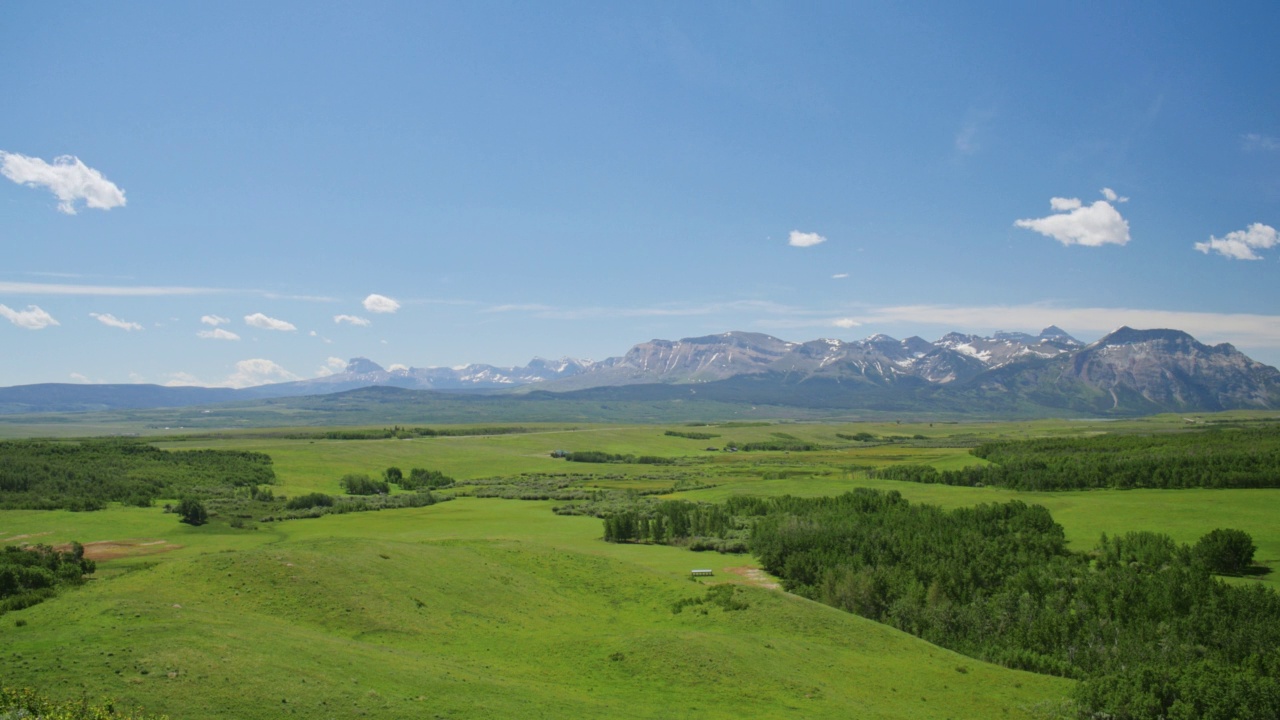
[[1139, 619], [1218, 458]]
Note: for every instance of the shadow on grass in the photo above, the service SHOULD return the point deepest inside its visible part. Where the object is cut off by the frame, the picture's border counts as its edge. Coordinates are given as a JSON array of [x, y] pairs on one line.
[[1256, 571]]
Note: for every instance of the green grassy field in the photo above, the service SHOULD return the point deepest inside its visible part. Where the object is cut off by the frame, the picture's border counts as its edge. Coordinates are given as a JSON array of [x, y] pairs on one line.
[[479, 608]]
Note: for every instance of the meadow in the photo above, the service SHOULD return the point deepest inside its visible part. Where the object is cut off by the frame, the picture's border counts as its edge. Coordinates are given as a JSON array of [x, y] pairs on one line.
[[482, 607]]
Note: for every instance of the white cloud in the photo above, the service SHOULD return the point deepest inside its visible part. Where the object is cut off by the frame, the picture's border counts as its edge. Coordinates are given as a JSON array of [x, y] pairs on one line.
[[397, 366], [1111, 196], [380, 304], [257, 371], [259, 320], [112, 321], [182, 379], [1240, 245], [845, 323], [1078, 224], [79, 377], [351, 320], [214, 320], [1257, 141], [331, 366], [804, 239], [67, 178], [839, 276], [1243, 329], [217, 334], [33, 318]]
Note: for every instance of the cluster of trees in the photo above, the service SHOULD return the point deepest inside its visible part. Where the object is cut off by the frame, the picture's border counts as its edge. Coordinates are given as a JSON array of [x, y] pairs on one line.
[[778, 445], [1140, 620], [417, 479], [362, 484], [45, 475], [31, 574], [698, 526], [404, 433], [595, 456], [1219, 458], [691, 435]]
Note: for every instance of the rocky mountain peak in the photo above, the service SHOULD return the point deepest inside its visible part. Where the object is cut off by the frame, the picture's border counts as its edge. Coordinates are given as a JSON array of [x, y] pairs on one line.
[[360, 366]]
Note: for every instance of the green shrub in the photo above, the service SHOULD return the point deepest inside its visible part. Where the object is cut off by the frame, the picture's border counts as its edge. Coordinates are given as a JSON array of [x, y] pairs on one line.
[[361, 484]]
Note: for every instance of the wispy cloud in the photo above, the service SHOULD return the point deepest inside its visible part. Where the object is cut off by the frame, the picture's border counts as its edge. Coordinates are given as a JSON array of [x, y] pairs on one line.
[[112, 321], [16, 288], [33, 318], [1246, 329], [331, 366], [804, 239], [966, 139], [69, 180], [380, 304], [351, 320], [839, 276], [263, 322], [1257, 141], [1078, 224], [1241, 244], [214, 320], [217, 334], [257, 371]]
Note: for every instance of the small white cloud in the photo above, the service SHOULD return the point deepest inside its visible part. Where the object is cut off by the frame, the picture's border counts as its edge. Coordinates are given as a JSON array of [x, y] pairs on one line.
[[1257, 141], [839, 276], [351, 320], [804, 239], [214, 320], [845, 323], [79, 378], [259, 320], [380, 304], [182, 379], [257, 371], [217, 334], [331, 366], [112, 321], [33, 318], [1240, 245], [1111, 196], [67, 178], [397, 366], [1079, 224]]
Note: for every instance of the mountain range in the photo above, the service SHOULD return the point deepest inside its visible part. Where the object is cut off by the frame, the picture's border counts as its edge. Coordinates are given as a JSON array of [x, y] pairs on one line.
[[1126, 372]]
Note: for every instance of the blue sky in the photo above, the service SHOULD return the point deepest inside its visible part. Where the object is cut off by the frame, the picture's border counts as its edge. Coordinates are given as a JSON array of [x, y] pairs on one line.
[[443, 183]]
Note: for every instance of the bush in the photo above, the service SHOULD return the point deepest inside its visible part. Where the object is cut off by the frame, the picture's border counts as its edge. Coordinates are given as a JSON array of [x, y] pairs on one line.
[[192, 512], [361, 484], [308, 501], [1225, 551]]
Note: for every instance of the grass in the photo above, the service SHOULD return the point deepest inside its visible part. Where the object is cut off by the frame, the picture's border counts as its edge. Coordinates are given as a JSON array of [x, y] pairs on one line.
[[475, 608], [498, 608]]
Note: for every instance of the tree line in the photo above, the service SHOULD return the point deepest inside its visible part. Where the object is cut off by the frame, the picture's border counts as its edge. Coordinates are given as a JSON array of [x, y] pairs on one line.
[[1140, 620], [47, 475], [1219, 458]]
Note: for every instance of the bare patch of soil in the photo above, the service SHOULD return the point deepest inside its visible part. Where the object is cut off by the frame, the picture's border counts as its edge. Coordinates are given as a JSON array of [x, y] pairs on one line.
[[134, 547], [755, 576]]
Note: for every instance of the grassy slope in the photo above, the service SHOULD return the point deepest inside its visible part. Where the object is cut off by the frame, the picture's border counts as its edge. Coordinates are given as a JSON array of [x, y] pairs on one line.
[[475, 608]]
